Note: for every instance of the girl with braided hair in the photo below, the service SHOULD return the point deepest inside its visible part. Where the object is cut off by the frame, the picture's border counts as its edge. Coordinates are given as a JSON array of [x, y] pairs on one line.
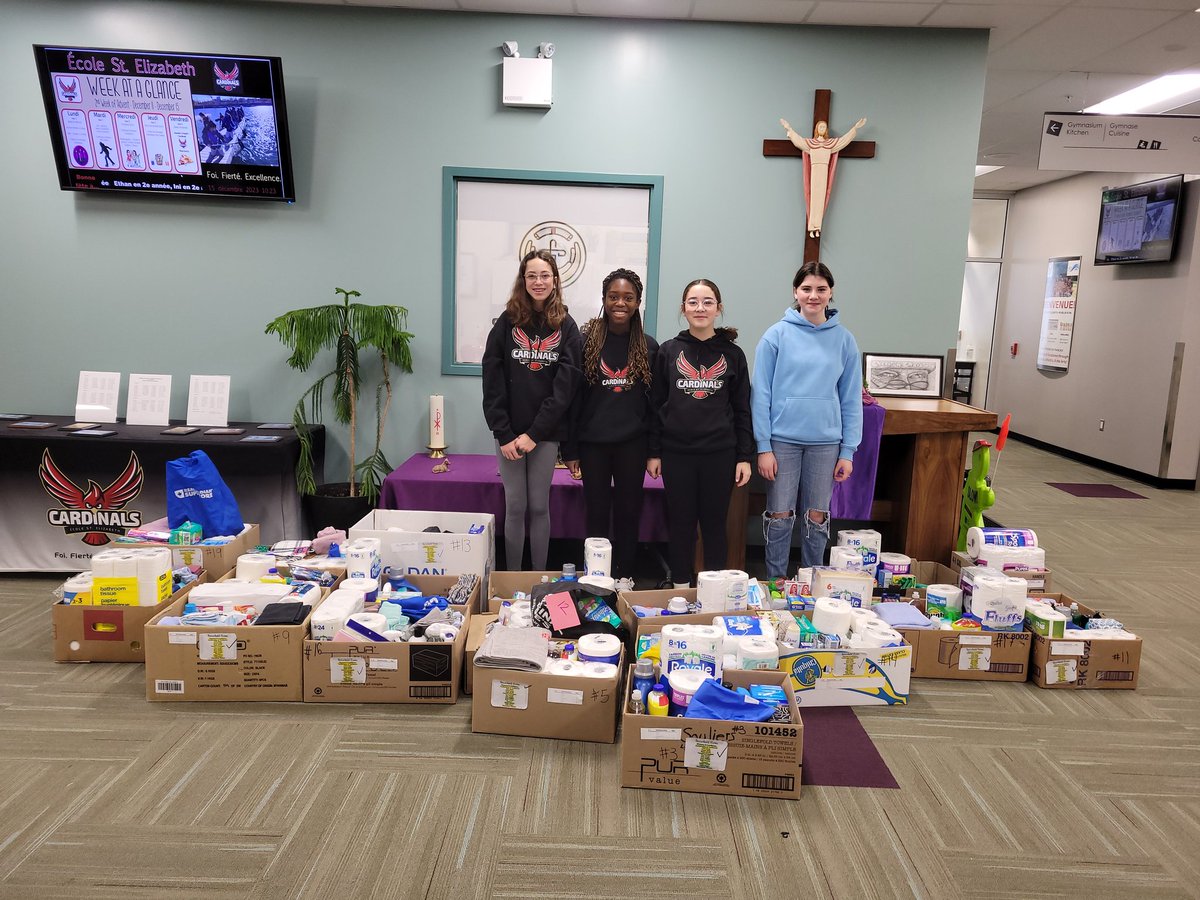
[[611, 421]]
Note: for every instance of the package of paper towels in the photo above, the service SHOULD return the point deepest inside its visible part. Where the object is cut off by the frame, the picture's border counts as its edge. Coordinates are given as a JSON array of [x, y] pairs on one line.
[[692, 647], [978, 538], [330, 617]]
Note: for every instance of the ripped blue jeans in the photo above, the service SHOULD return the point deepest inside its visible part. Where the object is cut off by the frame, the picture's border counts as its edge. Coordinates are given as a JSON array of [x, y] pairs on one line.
[[804, 481]]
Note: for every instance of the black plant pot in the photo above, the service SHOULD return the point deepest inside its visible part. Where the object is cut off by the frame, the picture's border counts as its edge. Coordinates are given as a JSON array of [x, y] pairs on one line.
[[333, 506]]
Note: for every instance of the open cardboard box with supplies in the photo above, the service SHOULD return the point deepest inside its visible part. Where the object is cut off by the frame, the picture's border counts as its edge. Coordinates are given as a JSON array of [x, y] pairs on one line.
[[1079, 660], [390, 672], [1039, 579], [464, 544], [87, 633], [223, 662], [506, 585], [537, 704], [711, 756], [626, 600], [216, 559]]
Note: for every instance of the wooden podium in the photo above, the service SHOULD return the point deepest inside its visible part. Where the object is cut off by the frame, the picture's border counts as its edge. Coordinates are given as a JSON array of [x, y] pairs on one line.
[[918, 488]]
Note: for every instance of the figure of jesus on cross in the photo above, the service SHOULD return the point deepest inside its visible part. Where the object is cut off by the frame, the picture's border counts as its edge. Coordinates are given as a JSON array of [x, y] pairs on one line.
[[820, 160]]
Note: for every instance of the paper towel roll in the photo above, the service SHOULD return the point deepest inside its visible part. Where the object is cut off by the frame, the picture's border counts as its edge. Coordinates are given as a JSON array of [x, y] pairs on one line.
[[832, 616], [253, 566], [944, 598], [998, 556], [601, 582], [362, 558], [682, 685], [599, 648], [328, 618], [757, 653], [692, 647], [375, 621], [78, 588], [597, 556], [990, 603], [368, 586], [977, 538], [710, 591]]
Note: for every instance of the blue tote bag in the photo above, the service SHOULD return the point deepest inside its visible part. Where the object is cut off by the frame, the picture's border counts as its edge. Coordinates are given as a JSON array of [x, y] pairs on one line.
[[197, 493]]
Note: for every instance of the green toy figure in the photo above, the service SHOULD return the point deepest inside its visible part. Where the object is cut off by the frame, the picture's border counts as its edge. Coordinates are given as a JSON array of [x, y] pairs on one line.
[[977, 493]]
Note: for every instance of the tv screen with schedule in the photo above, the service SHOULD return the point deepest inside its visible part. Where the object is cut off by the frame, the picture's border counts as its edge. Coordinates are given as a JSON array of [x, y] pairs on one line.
[[1139, 222], [160, 123]]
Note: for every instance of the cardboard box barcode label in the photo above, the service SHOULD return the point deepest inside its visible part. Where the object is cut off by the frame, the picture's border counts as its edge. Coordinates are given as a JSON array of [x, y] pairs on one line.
[[163, 686]]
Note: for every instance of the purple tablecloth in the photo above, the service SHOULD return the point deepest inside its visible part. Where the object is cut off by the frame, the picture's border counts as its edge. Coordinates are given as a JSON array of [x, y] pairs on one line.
[[852, 498], [473, 485]]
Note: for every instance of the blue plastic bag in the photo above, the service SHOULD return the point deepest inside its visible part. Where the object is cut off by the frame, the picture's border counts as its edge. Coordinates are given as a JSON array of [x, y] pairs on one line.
[[196, 493]]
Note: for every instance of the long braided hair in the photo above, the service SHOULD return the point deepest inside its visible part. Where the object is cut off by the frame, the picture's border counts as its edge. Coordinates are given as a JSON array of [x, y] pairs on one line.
[[596, 332]]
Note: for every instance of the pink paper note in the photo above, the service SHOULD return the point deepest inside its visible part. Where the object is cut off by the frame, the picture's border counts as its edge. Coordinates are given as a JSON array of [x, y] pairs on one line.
[[563, 614]]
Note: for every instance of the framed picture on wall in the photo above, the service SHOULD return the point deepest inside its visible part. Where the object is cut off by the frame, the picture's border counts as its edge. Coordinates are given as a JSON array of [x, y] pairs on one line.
[[902, 375], [492, 217]]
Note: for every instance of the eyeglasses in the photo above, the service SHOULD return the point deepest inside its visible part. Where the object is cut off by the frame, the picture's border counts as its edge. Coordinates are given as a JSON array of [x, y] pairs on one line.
[[706, 303], [539, 276]]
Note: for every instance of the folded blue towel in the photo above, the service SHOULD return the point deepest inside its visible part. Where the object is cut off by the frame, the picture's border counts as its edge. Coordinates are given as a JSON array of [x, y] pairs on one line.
[[902, 615]]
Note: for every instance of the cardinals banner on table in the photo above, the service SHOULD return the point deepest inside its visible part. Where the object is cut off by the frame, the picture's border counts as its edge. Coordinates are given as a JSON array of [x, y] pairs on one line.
[[67, 496]]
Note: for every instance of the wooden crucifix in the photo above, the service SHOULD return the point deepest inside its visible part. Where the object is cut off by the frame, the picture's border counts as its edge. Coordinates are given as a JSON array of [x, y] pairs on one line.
[[852, 150]]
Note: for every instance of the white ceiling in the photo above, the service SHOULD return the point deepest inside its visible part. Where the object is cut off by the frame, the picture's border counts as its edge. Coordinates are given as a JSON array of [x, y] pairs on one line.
[[1043, 55]]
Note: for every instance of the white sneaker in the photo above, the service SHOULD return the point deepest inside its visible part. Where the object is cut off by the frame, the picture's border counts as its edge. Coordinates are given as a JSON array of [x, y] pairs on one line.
[[624, 584]]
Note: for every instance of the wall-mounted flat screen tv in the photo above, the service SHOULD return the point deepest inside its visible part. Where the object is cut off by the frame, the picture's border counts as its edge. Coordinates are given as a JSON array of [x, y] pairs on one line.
[[152, 122], [1138, 223]]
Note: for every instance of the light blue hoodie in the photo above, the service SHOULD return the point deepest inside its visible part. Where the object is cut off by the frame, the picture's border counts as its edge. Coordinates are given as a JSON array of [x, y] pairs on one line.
[[807, 385]]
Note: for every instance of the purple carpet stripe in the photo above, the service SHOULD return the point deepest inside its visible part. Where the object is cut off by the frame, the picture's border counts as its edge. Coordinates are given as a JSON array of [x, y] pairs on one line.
[[839, 753], [1110, 491]]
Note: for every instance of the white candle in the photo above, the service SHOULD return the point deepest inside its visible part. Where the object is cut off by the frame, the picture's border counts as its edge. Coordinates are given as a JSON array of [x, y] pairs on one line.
[[437, 422]]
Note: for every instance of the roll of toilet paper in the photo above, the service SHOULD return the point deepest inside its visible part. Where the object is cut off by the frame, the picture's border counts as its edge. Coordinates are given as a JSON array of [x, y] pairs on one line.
[[604, 648], [564, 667], [599, 670], [374, 621], [692, 647], [600, 582], [328, 618], [710, 592], [882, 635], [868, 541], [860, 618], [995, 602], [845, 558], [832, 616], [978, 538], [369, 587], [78, 588], [519, 620], [891, 564], [737, 587], [597, 556], [1000, 556], [757, 653], [253, 566], [946, 599], [362, 558], [153, 575], [442, 632]]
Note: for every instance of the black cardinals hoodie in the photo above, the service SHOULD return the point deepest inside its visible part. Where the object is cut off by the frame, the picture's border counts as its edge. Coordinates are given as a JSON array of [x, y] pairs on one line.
[[530, 376], [701, 396]]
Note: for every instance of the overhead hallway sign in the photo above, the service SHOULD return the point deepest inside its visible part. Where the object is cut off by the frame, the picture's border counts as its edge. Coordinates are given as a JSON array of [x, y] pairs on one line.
[[1089, 142]]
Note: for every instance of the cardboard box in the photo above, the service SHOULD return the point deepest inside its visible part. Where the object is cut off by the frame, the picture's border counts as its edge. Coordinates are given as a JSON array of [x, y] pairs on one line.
[[241, 662], [857, 588], [106, 633], [934, 573], [535, 704], [969, 655], [506, 584], [216, 559], [1040, 580], [1084, 663], [626, 600], [710, 756], [875, 677], [390, 672], [407, 547], [476, 632]]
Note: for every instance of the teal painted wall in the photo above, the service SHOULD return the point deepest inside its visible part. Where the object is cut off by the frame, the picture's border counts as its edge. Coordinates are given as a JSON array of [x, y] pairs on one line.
[[381, 100]]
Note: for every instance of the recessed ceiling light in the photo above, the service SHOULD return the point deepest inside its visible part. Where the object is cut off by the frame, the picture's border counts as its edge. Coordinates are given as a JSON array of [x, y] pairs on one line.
[[1160, 94]]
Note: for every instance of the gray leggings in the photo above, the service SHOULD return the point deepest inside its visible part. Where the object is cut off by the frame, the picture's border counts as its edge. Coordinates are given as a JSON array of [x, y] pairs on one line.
[[527, 491]]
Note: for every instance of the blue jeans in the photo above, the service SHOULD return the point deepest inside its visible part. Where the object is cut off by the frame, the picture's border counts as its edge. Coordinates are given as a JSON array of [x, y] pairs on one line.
[[805, 474]]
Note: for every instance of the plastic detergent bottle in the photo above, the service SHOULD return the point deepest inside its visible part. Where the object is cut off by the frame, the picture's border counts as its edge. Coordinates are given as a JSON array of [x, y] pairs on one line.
[[568, 572], [677, 606], [643, 675], [657, 701]]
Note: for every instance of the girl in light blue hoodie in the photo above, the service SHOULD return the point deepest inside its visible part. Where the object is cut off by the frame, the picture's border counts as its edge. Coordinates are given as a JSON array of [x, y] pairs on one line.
[[806, 402]]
